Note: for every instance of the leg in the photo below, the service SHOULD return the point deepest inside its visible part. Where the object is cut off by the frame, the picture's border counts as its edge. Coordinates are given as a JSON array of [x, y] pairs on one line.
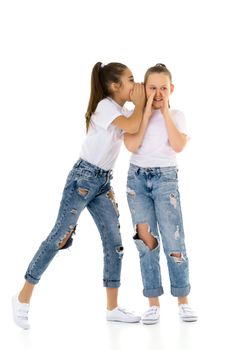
[[146, 239], [105, 214], [112, 298], [168, 211], [72, 203], [27, 290]]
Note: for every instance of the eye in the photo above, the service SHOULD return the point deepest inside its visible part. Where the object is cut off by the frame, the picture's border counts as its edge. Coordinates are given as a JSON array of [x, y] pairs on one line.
[[164, 88]]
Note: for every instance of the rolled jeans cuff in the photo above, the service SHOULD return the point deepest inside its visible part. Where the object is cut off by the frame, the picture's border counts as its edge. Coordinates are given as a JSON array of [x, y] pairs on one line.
[[111, 284], [155, 292], [31, 279], [180, 292]]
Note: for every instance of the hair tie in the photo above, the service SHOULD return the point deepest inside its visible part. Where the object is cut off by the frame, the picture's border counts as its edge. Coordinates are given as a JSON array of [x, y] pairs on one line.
[[160, 65]]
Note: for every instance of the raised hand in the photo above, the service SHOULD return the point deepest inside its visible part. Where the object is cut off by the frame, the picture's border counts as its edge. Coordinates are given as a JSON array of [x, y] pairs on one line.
[[165, 103], [137, 95], [149, 109]]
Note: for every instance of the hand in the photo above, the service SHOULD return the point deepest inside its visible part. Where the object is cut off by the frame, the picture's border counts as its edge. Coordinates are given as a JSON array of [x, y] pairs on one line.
[[137, 95], [165, 104], [148, 109]]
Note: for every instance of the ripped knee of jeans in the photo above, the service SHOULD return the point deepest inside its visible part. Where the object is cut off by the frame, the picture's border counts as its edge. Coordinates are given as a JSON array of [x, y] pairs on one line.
[[178, 257], [143, 232], [67, 240]]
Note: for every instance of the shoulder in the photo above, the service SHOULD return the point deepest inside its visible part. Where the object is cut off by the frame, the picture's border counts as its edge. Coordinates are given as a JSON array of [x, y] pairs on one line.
[[105, 103], [177, 114]]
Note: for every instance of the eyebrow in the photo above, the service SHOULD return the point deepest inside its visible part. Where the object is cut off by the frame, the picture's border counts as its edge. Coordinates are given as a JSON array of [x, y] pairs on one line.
[[156, 86]]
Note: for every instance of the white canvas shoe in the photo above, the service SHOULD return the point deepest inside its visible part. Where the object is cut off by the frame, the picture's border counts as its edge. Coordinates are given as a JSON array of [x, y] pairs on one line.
[[20, 312], [186, 313], [122, 315], [151, 316]]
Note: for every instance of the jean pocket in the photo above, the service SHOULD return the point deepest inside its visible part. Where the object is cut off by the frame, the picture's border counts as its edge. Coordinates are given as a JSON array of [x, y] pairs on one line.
[[169, 175]]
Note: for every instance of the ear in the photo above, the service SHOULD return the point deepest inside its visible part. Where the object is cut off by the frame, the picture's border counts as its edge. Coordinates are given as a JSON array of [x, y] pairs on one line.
[[171, 88], [114, 87]]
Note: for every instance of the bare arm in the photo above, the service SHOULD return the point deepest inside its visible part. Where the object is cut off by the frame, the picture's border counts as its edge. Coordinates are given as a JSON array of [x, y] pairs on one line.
[[176, 139], [131, 124], [134, 141]]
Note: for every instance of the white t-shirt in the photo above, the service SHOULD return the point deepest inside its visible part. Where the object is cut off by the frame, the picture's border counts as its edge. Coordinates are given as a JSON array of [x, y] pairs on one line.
[[102, 144], [155, 150]]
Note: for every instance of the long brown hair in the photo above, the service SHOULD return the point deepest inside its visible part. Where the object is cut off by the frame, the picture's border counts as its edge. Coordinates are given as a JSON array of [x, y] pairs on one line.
[[101, 78]]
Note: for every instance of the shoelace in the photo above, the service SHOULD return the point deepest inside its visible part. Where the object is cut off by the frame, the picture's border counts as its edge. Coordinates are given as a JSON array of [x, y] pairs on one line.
[[187, 309], [126, 312], [22, 314], [150, 312]]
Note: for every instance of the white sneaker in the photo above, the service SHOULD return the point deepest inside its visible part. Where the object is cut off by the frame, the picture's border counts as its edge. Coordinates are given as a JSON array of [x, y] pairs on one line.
[[151, 316], [122, 315], [186, 313], [20, 312]]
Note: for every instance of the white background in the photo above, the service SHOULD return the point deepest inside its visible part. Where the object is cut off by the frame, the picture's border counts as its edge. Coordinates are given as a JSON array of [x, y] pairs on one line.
[[48, 49]]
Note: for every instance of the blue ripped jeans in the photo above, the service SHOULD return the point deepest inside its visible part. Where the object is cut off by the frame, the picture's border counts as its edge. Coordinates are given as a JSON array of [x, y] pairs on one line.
[[87, 186], [153, 199]]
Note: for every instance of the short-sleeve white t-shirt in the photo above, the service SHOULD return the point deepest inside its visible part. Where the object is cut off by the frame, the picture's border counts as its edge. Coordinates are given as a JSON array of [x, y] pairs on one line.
[[155, 150], [103, 141]]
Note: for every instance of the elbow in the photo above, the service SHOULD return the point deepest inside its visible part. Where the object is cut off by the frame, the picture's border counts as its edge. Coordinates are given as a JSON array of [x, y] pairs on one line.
[[179, 146], [131, 148], [178, 149]]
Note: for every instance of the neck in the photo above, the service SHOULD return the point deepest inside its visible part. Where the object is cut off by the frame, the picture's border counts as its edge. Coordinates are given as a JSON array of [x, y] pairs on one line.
[[118, 100]]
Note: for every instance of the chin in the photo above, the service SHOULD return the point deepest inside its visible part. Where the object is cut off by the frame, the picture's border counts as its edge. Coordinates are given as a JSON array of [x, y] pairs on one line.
[[156, 106]]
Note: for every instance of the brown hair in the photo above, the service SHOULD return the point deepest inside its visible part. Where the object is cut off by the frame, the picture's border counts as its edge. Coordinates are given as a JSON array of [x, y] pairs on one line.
[[158, 68], [101, 78]]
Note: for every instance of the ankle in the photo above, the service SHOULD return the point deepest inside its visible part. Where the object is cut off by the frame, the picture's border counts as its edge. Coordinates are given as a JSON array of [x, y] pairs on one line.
[[111, 307], [182, 300], [154, 302], [23, 299]]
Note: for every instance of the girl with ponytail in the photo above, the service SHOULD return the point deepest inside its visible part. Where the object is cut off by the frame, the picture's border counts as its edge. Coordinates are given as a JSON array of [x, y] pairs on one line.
[[88, 186]]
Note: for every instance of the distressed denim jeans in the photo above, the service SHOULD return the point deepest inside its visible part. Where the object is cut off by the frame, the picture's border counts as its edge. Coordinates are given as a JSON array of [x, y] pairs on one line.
[[87, 186], [153, 199]]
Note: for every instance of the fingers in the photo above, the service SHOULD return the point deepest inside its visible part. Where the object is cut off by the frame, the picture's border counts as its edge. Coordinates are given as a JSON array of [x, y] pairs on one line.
[[150, 99], [138, 88], [137, 94]]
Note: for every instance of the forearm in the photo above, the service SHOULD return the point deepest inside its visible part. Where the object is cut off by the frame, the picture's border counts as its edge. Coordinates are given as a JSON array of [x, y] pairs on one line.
[[177, 140], [134, 141], [134, 121], [131, 124]]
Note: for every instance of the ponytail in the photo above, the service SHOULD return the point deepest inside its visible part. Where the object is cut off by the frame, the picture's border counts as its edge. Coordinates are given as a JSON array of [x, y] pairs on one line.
[[101, 78], [97, 93]]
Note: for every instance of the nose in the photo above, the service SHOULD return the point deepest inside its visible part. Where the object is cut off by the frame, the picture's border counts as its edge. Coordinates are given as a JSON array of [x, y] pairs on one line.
[[158, 93]]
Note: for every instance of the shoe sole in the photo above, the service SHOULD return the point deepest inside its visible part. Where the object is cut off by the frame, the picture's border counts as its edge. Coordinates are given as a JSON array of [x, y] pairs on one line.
[[149, 322], [124, 321], [189, 319]]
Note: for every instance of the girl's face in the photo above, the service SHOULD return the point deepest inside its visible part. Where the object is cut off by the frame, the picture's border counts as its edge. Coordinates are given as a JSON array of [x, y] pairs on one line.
[[121, 91], [160, 84]]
